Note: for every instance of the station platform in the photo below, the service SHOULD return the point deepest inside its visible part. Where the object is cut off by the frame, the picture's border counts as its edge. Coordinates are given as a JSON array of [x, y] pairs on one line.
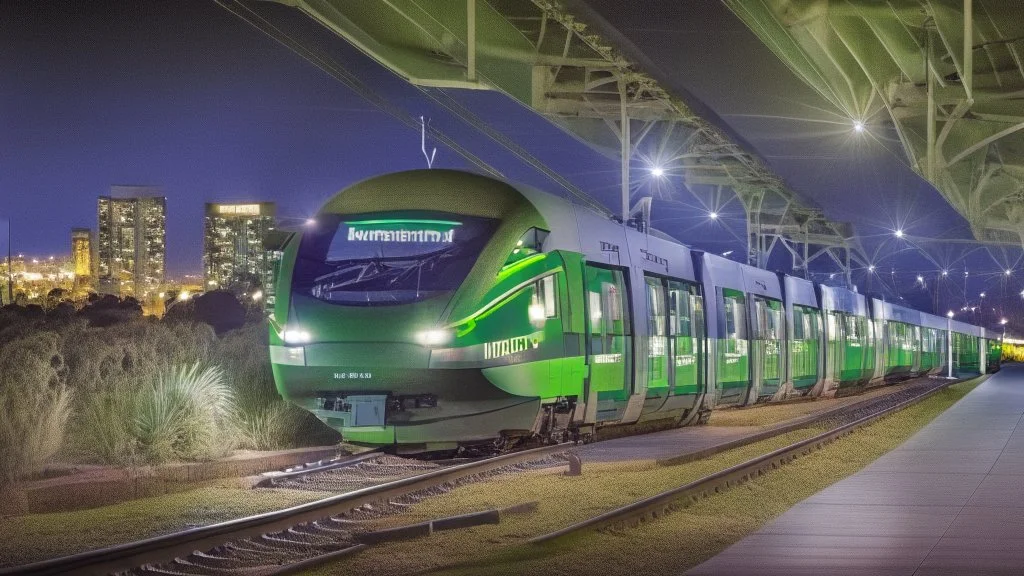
[[950, 500]]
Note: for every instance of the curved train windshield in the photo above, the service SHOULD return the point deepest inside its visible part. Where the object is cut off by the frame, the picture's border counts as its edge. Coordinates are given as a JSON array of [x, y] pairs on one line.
[[383, 259]]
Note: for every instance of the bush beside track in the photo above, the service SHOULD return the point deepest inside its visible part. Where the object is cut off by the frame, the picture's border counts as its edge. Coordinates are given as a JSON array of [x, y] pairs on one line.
[[107, 385]]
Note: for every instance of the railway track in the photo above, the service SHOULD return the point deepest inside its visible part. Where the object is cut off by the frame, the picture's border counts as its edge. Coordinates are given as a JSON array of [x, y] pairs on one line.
[[273, 542], [374, 484], [654, 506]]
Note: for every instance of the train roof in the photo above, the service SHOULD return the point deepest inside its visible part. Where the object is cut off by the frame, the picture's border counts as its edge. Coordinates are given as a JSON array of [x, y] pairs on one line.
[[725, 273]]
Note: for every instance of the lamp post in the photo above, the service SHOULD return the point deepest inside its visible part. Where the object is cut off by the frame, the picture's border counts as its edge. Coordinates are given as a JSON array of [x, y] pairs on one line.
[[10, 266]]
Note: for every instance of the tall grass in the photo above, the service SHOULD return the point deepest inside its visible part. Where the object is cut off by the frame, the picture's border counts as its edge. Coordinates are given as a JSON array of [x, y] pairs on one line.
[[34, 405], [144, 391], [32, 424], [185, 414]]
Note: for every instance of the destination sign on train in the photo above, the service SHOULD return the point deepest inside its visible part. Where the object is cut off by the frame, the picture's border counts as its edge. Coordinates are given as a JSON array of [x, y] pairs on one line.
[[403, 231]]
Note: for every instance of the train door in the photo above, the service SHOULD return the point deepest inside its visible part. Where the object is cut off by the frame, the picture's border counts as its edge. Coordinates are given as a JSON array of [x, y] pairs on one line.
[[836, 355], [609, 344], [732, 362], [686, 328], [659, 369], [857, 366], [803, 347], [766, 350]]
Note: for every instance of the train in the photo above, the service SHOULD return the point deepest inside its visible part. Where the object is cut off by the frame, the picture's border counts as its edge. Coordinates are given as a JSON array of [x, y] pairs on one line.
[[437, 310]]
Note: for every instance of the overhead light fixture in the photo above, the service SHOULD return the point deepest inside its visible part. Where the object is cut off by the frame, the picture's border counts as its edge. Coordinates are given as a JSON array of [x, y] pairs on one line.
[[713, 215], [920, 278], [1009, 271], [871, 268], [949, 314], [657, 171], [858, 126], [899, 233]]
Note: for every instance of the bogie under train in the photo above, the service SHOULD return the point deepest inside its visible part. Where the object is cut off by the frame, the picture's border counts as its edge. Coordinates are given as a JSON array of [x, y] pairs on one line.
[[433, 309]]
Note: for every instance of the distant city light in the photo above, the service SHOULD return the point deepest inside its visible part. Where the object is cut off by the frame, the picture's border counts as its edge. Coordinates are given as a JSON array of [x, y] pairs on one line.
[[945, 272], [871, 268], [1003, 321], [949, 314], [920, 278], [982, 294], [899, 233], [657, 171], [257, 295], [713, 215], [727, 252], [1009, 271], [310, 221], [184, 295]]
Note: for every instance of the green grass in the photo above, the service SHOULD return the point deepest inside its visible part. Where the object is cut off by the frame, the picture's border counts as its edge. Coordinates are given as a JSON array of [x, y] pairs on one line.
[[36, 537], [669, 545]]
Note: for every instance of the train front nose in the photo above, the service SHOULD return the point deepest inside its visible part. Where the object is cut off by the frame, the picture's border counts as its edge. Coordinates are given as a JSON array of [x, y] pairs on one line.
[[385, 393], [368, 306]]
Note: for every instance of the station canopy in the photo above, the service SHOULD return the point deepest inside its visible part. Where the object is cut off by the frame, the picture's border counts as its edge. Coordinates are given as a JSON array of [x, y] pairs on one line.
[[575, 72]]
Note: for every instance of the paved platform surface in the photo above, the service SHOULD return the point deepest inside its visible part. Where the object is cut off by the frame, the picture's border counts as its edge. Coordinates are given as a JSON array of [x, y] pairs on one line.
[[665, 444], [949, 501]]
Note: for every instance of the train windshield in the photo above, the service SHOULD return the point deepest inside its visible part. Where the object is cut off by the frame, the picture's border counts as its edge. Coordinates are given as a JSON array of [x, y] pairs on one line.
[[385, 259]]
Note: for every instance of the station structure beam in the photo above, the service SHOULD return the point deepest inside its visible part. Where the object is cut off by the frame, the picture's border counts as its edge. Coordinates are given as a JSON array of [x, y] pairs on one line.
[[542, 54], [949, 74]]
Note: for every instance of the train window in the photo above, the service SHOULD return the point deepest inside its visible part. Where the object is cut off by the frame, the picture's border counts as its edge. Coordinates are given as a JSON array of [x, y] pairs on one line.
[[735, 316], [656, 307], [544, 298], [607, 301], [388, 258], [767, 320], [529, 243], [805, 323]]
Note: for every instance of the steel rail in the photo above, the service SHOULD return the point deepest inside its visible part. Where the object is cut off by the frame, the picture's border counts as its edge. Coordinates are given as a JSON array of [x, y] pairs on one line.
[[270, 480], [731, 476], [165, 548]]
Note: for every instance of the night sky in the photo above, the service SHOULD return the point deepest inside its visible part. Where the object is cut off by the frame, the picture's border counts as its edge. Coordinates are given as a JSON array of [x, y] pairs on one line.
[[185, 96]]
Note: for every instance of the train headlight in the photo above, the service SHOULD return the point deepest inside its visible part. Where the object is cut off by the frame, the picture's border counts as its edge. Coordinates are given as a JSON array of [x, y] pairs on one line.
[[295, 336], [435, 337]]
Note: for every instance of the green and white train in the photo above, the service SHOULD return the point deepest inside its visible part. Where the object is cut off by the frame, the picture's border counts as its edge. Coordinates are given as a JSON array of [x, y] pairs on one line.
[[431, 309]]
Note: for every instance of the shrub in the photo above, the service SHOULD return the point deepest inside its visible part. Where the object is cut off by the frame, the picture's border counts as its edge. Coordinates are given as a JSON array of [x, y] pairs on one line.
[[34, 405], [264, 420], [184, 414], [32, 425]]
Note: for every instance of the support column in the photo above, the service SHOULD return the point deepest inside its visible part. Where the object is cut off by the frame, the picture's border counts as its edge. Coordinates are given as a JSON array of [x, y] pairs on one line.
[[930, 157], [968, 78], [626, 149], [471, 40], [949, 347]]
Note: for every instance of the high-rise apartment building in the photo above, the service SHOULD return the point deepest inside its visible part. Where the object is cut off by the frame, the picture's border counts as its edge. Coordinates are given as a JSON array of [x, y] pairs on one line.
[[234, 254], [83, 258], [132, 244]]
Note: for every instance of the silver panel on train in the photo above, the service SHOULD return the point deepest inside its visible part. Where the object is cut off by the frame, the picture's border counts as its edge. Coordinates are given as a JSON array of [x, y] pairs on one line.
[[799, 292], [843, 300], [725, 273], [888, 311]]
